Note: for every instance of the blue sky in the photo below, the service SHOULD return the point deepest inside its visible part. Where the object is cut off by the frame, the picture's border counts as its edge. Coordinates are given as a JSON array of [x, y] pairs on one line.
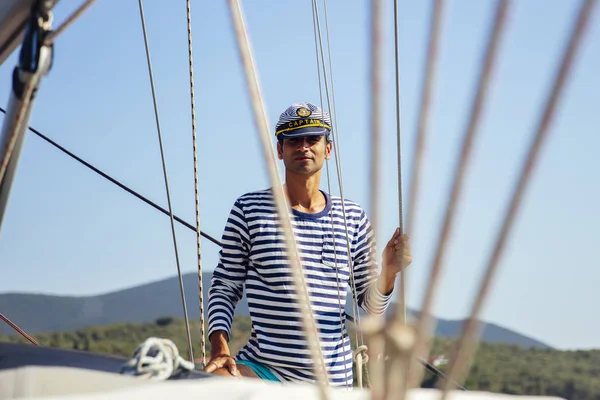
[[90, 237]]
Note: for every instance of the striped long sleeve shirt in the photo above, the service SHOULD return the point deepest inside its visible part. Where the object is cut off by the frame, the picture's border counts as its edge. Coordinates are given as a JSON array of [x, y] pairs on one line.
[[253, 258]]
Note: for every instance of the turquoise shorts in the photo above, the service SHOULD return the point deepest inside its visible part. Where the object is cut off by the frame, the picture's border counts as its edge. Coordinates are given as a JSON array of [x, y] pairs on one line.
[[262, 371]]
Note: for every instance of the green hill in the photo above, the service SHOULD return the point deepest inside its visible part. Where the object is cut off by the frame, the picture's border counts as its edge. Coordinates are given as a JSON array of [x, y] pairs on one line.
[[510, 369], [37, 313], [497, 368], [122, 339]]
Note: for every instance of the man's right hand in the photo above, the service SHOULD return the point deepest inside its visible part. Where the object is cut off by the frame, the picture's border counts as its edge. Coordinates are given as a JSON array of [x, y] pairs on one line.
[[220, 357], [221, 361]]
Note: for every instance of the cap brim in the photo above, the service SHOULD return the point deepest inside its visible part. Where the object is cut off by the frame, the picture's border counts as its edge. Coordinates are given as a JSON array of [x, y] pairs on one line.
[[310, 131]]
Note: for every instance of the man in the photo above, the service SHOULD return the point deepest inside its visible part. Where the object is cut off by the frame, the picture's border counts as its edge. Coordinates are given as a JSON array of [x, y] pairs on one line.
[[254, 256]]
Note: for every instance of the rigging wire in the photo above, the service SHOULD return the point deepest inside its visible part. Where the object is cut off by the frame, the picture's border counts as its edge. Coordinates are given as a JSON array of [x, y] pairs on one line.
[[428, 83], [338, 162], [393, 384], [196, 185], [397, 373], [119, 184], [421, 347], [337, 154], [399, 156], [306, 314], [334, 114], [343, 329], [164, 165], [460, 362]]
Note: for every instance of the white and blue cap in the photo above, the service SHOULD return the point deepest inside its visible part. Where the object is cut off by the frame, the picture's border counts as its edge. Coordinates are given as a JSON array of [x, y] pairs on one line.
[[303, 119]]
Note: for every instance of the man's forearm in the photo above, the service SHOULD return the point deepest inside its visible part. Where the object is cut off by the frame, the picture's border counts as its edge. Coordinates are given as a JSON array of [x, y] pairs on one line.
[[218, 343], [385, 283]]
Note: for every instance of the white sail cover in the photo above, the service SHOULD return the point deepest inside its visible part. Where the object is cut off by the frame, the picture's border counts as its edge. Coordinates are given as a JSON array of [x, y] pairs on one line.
[[13, 19], [81, 384]]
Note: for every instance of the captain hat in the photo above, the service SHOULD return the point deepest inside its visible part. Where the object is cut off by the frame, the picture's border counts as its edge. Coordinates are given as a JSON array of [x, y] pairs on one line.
[[303, 119]]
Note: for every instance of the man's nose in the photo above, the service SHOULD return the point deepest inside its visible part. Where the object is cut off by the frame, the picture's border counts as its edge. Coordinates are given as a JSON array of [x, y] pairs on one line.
[[303, 142]]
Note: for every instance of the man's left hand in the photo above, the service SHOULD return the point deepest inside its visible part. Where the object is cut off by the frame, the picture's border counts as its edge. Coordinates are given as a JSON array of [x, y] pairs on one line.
[[396, 255]]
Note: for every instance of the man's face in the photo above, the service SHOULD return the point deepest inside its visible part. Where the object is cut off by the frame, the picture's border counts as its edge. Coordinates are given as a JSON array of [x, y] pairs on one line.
[[304, 155]]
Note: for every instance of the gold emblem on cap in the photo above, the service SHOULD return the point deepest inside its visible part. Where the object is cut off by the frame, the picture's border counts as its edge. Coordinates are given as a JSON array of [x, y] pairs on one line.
[[303, 112]]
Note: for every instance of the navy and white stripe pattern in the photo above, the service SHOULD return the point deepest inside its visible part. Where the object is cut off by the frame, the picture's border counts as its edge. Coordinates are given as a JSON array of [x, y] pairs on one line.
[[253, 257], [301, 119]]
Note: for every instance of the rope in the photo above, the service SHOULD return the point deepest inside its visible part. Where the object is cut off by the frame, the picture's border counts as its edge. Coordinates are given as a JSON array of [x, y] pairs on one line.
[[54, 34], [156, 359], [19, 330], [377, 342], [359, 361], [419, 150], [421, 346], [375, 109], [164, 165], [307, 317], [466, 348], [196, 185]]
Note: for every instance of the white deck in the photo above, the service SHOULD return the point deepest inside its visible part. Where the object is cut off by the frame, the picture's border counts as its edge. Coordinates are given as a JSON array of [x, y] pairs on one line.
[[79, 384]]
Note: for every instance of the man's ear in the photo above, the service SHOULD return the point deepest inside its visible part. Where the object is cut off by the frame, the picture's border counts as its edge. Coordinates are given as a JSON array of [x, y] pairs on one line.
[[279, 151], [328, 148]]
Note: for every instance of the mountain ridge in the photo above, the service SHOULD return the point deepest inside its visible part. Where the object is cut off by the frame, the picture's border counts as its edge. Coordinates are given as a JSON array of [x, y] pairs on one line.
[[37, 313]]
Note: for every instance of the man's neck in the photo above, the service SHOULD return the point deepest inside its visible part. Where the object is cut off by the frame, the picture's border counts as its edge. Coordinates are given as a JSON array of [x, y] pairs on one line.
[[303, 193]]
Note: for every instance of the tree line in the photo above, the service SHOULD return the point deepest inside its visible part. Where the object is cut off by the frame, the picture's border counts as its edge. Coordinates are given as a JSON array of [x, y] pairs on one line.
[[499, 368]]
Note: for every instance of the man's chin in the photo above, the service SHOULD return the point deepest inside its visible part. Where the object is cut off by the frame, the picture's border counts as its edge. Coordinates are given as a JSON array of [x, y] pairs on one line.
[[303, 171]]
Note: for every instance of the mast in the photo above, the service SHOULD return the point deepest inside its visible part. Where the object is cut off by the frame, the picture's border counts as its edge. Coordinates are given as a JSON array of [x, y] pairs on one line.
[[35, 60]]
